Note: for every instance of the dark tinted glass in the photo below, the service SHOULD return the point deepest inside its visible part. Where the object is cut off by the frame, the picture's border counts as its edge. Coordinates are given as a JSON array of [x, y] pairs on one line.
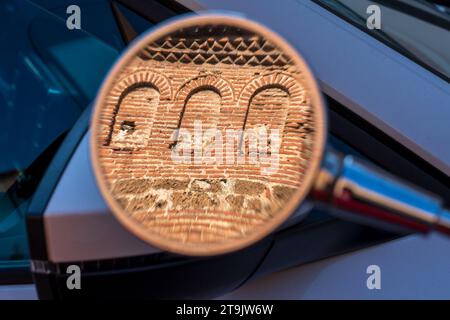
[[48, 75]]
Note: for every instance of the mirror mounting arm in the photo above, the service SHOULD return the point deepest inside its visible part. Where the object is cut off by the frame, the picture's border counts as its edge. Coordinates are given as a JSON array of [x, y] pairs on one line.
[[356, 190]]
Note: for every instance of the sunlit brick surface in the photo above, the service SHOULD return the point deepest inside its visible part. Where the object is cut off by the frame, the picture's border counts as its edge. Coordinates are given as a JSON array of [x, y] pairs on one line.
[[232, 81]]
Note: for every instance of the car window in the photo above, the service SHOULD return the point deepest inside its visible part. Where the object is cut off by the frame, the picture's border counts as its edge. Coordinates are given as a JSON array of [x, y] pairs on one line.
[[51, 76], [419, 29]]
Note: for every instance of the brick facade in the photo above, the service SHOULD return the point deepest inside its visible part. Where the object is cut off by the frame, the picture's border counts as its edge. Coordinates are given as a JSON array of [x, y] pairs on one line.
[[238, 81]]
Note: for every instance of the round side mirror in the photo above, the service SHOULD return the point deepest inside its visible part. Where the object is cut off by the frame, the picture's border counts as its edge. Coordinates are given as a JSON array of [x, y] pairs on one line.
[[210, 131]]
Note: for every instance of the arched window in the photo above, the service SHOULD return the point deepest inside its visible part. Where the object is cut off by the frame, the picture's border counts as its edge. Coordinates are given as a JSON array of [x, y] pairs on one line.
[[134, 118], [203, 104], [274, 105], [268, 107], [134, 101], [200, 101]]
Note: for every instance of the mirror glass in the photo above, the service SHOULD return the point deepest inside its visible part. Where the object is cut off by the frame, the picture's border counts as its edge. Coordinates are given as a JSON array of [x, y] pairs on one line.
[[205, 135]]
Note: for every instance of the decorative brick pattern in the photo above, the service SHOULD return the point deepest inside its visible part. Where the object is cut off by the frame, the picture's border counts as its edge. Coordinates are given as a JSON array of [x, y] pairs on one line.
[[237, 81], [237, 47]]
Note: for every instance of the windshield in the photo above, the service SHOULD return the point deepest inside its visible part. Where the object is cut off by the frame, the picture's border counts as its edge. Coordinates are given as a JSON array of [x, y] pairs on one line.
[[418, 29], [48, 76]]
